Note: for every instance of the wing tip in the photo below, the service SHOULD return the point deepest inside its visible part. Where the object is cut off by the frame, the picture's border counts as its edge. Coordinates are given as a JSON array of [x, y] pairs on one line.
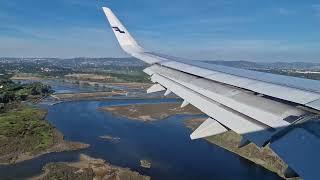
[[106, 9]]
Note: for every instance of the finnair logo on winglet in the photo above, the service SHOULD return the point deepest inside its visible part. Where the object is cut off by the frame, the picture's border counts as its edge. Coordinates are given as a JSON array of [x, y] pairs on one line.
[[118, 29]]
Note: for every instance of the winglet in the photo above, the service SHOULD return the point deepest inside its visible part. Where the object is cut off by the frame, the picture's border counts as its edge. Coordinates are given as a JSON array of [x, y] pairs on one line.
[[126, 41]]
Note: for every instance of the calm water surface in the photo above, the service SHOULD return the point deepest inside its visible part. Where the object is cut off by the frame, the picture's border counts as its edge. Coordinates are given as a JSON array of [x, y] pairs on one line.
[[165, 143]]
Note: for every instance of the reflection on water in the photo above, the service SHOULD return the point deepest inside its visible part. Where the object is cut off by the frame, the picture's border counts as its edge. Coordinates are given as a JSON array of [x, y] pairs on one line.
[[165, 143]]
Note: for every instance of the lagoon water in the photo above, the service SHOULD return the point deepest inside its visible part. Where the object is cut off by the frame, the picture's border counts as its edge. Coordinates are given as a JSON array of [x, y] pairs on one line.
[[165, 143]]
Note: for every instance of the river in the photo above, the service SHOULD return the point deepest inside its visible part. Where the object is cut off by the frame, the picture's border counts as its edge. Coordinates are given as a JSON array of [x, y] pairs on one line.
[[165, 143]]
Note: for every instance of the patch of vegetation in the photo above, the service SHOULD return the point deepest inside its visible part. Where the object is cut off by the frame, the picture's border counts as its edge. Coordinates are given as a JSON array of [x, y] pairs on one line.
[[137, 77], [24, 130], [63, 171], [112, 77], [11, 91], [88, 168], [35, 89]]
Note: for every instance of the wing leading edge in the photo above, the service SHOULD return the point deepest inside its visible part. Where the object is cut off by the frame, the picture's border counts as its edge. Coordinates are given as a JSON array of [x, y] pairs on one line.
[[263, 108]]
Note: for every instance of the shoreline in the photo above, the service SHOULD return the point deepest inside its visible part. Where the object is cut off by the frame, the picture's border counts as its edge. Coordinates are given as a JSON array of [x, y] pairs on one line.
[[118, 98], [34, 136], [88, 82], [87, 168], [60, 145], [86, 95]]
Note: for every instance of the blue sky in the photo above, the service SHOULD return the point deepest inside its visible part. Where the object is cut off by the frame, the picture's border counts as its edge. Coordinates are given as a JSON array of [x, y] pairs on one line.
[[273, 30]]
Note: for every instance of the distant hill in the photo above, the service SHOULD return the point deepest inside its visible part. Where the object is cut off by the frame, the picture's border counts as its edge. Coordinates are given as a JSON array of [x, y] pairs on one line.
[[133, 62], [80, 61], [275, 65]]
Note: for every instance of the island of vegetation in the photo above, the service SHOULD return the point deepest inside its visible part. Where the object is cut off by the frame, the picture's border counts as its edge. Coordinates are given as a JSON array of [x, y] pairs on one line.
[[111, 79], [151, 112], [88, 168], [145, 164], [24, 132]]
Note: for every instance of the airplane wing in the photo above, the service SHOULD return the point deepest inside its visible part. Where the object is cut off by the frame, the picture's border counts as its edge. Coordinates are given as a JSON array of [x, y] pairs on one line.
[[264, 108]]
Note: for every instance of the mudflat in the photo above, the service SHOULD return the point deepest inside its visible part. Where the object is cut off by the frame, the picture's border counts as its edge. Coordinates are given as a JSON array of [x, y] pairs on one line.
[[151, 112], [91, 95]]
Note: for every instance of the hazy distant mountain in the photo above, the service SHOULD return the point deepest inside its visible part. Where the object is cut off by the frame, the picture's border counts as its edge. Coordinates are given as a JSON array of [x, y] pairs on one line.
[[276, 65], [241, 64]]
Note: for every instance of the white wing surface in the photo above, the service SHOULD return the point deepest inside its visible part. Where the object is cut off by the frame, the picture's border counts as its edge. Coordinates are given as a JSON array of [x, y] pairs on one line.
[[263, 108]]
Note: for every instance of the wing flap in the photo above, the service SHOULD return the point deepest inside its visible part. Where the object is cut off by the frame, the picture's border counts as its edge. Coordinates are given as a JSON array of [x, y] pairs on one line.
[[155, 88], [265, 111], [256, 132], [209, 128]]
